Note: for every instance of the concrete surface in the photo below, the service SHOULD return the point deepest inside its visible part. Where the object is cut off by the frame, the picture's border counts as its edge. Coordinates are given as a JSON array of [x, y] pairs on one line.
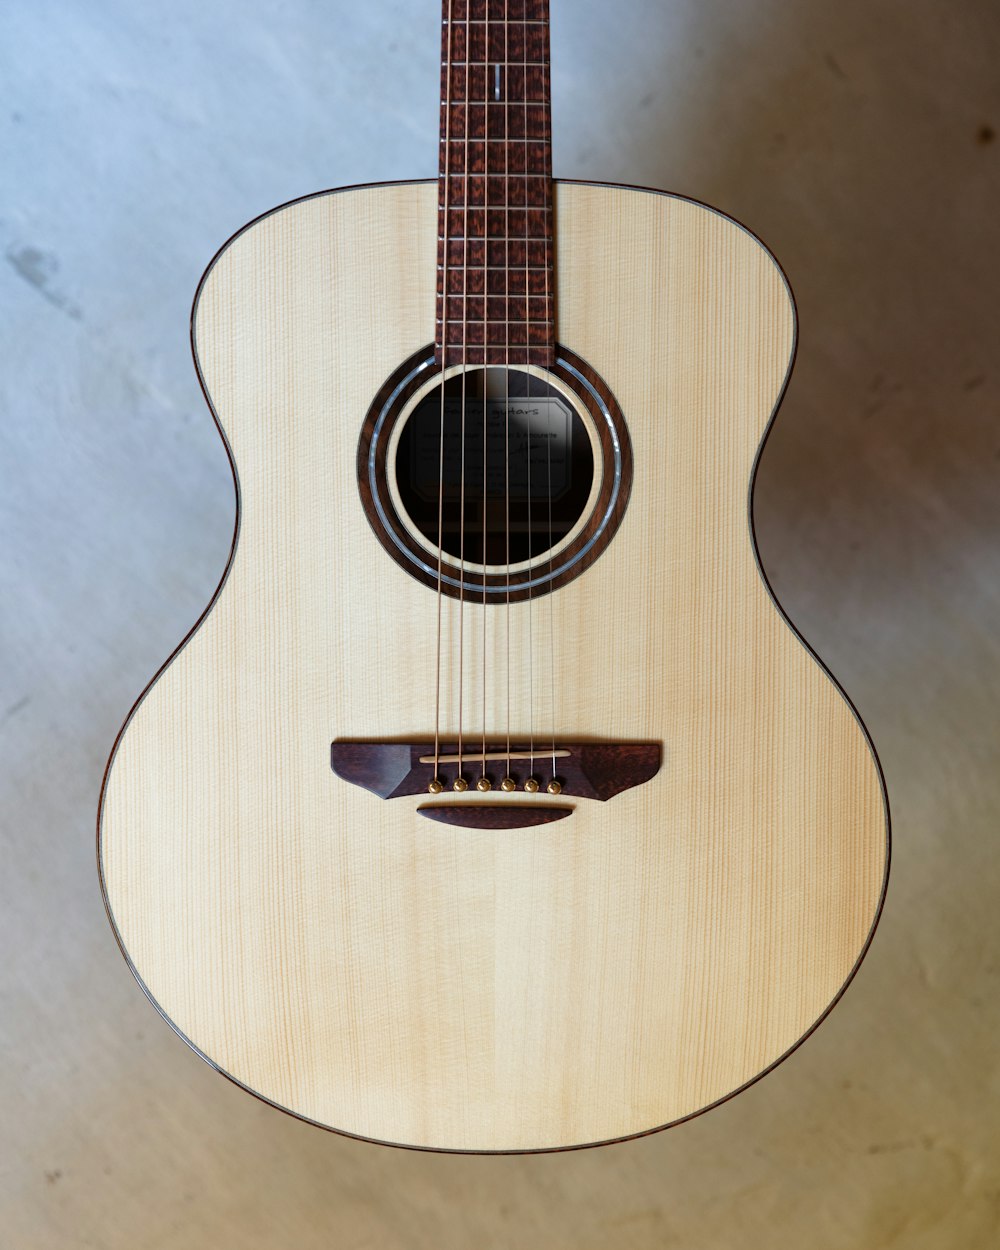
[[859, 139]]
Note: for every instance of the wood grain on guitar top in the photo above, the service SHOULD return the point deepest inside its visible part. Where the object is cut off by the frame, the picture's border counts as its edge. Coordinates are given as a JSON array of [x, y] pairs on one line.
[[407, 981]]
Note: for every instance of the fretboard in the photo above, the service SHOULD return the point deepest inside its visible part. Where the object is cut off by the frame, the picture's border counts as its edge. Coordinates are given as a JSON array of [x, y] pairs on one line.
[[495, 252]]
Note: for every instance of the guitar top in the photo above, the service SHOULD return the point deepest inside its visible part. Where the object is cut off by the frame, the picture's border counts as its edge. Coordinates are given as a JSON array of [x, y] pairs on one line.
[[493, 804]]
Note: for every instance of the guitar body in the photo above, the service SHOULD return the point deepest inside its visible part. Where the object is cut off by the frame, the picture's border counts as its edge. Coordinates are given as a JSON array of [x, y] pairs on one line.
[[472, 989]]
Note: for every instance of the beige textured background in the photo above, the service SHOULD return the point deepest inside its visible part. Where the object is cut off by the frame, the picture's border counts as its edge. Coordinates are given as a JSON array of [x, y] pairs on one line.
[[859, 139]]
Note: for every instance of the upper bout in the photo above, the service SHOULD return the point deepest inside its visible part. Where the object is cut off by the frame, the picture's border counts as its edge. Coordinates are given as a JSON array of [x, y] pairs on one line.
[[681, 308]]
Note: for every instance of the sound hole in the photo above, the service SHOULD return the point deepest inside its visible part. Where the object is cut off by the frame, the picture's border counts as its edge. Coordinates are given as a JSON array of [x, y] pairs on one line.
[[517, 434], [534, 436]]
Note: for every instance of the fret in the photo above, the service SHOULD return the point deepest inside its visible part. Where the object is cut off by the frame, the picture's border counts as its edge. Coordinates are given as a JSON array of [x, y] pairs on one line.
[[516, 333], [498, 224], [480, 156], [519, 231], [498, 41], [497, 140], [536, 98], [477, 82], [475, 282], [496, 21], [496, 307], [472, 324], [512, 10], [507, 63], [518, 190], [492, 238], [506, 355], [511, 235], [520, 85], [526, 123], [502, 254]]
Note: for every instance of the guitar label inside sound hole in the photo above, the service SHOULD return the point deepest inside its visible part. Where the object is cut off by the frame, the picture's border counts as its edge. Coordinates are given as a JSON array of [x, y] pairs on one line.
[[538, 467]]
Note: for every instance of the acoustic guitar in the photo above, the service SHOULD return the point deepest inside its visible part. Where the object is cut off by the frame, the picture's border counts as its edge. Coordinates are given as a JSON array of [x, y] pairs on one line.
[[493, 803]]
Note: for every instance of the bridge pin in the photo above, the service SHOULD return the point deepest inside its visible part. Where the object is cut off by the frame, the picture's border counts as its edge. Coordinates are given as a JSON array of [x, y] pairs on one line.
[[461, 785], [435, 787], [531, 785], [483, 784], [508, 785], [554, 787]]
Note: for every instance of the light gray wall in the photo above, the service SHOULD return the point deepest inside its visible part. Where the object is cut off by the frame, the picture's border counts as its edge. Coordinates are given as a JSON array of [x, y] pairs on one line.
[[857, 139]]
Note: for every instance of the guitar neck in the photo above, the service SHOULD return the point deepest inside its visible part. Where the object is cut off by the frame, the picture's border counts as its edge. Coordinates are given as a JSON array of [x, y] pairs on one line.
[[495, 251]]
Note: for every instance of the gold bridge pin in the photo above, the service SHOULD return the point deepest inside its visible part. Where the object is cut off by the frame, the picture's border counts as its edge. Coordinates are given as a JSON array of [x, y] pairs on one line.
[[508, 785], [531, 785], [554, 787], [435, 787], [483, 784], [461, 785]]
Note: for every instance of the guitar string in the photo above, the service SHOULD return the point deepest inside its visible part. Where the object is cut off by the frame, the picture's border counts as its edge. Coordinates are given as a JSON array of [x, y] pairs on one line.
[[506, 361], [486, 389], [465, 375], [550, 321], [445, 293], [527, 355]]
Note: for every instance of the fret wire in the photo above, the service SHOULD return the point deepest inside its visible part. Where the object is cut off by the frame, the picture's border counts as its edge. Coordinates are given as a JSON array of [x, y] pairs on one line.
[[499, 297], [508, 64], [495, 105], [492, 101], [497, 238]]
